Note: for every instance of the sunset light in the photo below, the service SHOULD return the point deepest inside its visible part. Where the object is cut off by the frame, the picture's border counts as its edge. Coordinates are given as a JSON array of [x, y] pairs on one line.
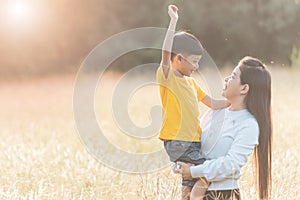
[[115, 99], [19, 11]]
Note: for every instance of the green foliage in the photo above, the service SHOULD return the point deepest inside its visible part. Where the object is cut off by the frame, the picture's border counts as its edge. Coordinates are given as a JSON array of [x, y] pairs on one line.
[[295, 57]]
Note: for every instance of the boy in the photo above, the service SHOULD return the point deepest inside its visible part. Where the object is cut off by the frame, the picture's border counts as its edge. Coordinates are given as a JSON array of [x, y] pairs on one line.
[[180, 95]]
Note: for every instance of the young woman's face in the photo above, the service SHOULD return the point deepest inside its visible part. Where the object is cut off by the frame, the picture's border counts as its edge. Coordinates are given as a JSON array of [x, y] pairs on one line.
[[232, 85], [189, 64]]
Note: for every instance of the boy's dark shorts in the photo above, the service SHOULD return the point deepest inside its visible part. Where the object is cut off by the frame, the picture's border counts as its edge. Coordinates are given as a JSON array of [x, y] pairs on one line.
[[187, 152]]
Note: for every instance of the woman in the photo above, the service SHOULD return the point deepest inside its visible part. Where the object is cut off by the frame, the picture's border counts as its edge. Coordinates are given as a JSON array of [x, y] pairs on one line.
[[231, 134]]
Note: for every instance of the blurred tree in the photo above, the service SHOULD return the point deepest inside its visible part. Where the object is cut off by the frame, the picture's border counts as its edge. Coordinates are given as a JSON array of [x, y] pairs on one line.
[[68, 30], [295, 57]]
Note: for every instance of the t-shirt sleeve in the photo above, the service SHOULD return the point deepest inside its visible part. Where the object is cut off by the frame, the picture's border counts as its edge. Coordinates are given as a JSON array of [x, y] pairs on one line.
[[161, 79], [200, 93]]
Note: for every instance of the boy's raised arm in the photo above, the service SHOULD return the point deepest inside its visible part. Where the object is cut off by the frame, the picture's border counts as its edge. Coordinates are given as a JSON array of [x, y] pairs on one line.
[[168, 42]]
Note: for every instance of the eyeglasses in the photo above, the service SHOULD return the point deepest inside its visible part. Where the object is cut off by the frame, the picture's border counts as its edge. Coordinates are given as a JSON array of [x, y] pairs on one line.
[[191, 61]]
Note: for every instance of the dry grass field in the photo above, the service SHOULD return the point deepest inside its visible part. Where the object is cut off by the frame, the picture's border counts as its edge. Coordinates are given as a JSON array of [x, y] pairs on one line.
[[42, 156]]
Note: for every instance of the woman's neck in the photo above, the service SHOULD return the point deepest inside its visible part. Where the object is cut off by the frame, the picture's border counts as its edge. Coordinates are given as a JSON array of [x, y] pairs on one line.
[[237, 104]]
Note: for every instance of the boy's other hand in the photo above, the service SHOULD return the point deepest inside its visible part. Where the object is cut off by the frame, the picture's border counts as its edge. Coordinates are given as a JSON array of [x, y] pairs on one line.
[[172, 11], [184, 170]]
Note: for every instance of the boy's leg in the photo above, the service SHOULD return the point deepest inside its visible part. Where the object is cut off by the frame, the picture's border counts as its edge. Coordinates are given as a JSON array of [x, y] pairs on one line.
[[192, 155], [186, 192], [187, 186], [175, 149], [199, 189], [187, 152]]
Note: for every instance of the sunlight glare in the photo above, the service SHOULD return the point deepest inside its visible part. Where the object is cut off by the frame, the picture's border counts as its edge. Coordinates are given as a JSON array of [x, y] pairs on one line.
[[19, 11]]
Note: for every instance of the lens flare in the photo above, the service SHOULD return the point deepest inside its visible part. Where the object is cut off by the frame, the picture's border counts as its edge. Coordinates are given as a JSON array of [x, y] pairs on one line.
[[19, 11]]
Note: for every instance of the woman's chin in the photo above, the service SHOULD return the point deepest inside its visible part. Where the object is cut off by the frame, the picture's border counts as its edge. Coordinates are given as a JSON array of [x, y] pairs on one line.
[[223, 93]]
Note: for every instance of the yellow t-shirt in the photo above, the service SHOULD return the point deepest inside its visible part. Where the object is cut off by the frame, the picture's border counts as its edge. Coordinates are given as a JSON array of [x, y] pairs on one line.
[[180, 97]]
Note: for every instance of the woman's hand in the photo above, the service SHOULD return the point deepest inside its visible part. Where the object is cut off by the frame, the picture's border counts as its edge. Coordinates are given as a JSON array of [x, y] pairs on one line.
[[172, 11], [184, 170]]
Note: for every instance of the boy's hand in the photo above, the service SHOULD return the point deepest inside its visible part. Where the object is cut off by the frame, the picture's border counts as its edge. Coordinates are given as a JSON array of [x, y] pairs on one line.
[[184, 170], [172, 11]]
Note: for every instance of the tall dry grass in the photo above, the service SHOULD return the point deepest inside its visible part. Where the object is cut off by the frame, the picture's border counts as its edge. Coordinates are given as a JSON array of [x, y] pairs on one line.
[[42, 156]]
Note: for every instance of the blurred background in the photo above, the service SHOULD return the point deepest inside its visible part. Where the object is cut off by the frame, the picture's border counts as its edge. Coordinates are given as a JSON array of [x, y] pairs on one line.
[[41, 37], [43, 44]]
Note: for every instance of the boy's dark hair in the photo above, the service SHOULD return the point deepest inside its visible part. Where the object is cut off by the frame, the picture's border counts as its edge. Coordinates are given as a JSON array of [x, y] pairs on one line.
[[186, 44]]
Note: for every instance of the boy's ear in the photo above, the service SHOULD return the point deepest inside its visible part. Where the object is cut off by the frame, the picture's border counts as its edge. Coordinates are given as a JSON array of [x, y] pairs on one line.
[[179, 57], [244, 89]]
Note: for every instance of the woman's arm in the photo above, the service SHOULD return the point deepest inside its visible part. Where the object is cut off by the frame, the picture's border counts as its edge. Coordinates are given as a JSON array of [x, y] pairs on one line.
[[228, 166]]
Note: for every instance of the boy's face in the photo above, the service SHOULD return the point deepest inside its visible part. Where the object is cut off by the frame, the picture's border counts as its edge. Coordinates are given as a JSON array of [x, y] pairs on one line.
[[189, 64]]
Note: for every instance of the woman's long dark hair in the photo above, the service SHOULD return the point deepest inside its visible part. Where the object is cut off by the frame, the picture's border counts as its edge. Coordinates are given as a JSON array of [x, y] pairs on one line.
[[258, 102]]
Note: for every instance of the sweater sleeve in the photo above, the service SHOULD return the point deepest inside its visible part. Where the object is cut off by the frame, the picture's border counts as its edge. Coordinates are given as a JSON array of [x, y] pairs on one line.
[[229, 166]]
